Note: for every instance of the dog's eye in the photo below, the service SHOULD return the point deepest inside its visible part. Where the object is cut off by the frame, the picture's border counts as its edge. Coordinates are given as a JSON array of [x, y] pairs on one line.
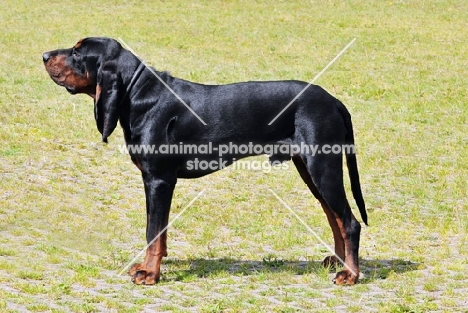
[[75, 54]]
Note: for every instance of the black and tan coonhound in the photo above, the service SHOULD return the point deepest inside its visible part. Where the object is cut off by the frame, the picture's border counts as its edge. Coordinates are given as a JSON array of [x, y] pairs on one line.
[[155, 109]]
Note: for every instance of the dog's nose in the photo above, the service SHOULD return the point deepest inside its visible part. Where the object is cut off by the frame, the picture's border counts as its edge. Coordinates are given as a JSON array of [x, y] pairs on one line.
[[45, 57]]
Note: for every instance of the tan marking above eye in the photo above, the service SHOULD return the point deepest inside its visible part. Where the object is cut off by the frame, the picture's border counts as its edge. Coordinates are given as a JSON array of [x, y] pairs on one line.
[[78, 44]]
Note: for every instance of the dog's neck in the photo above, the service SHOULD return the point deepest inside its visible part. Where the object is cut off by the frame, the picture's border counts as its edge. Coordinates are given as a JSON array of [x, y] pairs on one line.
[[134, 79]]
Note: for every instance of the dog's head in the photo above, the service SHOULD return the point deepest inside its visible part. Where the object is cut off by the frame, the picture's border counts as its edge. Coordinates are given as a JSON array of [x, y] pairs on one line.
[[91, 67]]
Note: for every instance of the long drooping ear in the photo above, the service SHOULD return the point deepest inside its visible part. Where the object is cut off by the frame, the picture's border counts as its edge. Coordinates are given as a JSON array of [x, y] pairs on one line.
[[106, 104]]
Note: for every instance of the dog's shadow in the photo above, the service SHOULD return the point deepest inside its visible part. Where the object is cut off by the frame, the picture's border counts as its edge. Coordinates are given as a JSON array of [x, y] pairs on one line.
[[188, 270], [381, 269]]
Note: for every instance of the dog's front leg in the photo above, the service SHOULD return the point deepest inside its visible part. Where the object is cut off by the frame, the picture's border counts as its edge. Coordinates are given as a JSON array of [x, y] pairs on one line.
[[158, 202]]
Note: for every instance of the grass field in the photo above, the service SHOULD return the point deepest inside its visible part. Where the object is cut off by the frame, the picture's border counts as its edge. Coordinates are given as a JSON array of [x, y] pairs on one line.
[[72, 209]]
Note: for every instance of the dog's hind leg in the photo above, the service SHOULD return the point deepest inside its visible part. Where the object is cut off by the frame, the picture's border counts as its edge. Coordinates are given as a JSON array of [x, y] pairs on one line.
[[339, 242], [323, 174]]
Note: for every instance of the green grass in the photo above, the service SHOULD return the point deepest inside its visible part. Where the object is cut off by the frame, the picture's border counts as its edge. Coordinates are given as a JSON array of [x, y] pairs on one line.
[[72, 209]]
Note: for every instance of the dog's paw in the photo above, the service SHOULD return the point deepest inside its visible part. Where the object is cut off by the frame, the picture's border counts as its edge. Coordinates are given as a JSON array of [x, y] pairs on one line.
[[345, 277], [331, 262], [143, 276]]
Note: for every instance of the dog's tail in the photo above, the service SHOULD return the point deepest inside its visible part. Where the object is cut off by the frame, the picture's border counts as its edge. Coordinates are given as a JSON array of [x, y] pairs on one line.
[[352, 162]]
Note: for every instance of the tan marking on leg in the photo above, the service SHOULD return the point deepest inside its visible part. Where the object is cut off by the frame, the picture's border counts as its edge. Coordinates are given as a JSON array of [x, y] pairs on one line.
[[332, 261], [149, 271], [346, 276]]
